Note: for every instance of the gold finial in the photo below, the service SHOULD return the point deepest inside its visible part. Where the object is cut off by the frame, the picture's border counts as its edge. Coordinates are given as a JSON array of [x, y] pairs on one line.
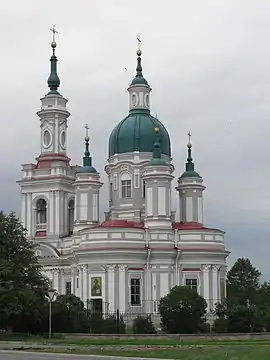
[[189, 145], [86, 132], [156, 130], [53, 44], [139, 52]]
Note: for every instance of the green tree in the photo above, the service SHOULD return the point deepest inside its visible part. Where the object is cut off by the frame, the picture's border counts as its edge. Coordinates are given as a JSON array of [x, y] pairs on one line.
[[22, 286], [243, 280], [238, 318], [69, 315], [182, 311]]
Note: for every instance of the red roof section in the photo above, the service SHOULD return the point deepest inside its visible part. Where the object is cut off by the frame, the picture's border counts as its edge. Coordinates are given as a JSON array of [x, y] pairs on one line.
[[122, 224], [129, 224], [192, 225], [44, 161]]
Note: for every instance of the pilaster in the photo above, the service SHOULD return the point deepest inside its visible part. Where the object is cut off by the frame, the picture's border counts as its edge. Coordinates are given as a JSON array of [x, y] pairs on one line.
[[122, 287], [56, 279], [215, 283], [111, 287], [85, 284], [206, 284]]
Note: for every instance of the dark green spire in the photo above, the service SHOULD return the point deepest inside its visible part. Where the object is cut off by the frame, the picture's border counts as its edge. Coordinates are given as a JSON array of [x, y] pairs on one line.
[[189, 163], [87, 159], [139, 79], [156, 159], [53, 80], [190, 167]]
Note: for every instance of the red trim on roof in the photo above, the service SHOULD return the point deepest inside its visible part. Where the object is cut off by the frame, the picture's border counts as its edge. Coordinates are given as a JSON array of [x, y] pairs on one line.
[[191, 269], [122, 224], [44, 161], [191, 225], [136, 269]]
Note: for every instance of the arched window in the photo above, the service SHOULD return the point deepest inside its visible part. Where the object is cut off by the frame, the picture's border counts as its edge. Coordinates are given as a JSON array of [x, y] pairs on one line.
[[70, 216], [125, 185], [41, 214]]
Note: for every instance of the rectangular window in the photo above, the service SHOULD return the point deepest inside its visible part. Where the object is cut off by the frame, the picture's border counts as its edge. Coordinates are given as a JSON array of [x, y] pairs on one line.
[[77, 283], [135, 291], [68, 288], [115, 182], [143, 189], [126, 188], [136, 181], [110, 192], [192, 283]]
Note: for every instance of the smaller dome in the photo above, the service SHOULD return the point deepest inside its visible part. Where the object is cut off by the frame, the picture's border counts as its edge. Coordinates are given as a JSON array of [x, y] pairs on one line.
[[190, 174], [87, 169]]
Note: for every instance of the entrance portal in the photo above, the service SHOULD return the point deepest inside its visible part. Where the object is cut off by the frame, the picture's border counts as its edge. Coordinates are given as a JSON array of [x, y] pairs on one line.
[[96, 306]]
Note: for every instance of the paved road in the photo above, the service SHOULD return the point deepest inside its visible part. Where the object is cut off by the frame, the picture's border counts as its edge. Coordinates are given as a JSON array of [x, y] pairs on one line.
[[19, 355]]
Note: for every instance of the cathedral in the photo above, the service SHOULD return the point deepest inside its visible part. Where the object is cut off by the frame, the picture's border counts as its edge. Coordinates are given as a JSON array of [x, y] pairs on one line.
[[139, 251]]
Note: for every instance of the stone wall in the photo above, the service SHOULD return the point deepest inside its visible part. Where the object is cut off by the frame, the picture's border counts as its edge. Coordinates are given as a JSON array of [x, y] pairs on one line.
[[180, 337]]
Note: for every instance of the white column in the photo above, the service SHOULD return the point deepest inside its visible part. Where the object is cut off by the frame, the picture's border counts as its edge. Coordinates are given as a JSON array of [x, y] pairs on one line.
[[56, 280], [32, 231], [122, 288], [81, 282], [111, 286], [215, 284], [23, 213], [57, 212], [148, 288], [73, 281], [63, 282], [85, 284], [206, 292], [29, 215], [50, 215]]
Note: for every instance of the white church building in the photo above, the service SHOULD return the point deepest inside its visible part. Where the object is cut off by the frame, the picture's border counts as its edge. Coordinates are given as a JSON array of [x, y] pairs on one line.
[[134, 256]]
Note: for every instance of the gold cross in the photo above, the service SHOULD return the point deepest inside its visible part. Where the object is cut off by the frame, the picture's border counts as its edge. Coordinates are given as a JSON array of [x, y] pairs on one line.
[[189, 136], [86, 130], [139, 42], [54, 32]]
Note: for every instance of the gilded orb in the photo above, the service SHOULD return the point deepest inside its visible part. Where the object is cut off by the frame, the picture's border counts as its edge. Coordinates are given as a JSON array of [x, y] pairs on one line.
[[53, 44]]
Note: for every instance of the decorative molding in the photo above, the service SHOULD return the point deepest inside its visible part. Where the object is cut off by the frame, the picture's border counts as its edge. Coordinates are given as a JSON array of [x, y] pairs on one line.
[[216, 267], [122, 267], [111, 267], [206, 267]]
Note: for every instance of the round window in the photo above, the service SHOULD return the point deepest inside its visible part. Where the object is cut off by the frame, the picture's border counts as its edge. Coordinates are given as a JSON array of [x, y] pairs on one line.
[[47, 138], [63, 139]]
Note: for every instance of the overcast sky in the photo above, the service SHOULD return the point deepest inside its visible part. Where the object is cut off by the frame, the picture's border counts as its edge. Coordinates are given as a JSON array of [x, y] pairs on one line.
[[208, 63]]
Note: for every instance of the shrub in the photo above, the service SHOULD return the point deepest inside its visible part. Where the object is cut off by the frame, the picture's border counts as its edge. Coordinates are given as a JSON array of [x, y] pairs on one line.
[[143, 325]]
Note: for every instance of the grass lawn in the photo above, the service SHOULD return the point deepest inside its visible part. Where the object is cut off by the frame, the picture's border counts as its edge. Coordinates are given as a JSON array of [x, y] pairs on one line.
[[212, 352]]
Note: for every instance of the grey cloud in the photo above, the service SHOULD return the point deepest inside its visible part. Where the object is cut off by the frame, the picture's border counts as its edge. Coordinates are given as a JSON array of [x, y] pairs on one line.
[[208, 65]]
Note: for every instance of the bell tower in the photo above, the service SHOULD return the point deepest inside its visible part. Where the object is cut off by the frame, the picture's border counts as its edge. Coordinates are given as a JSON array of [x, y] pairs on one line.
[[47, 192], [53, 114]]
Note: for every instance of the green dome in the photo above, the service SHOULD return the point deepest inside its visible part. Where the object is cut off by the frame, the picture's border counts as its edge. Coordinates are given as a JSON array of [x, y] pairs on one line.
[[136, 133]]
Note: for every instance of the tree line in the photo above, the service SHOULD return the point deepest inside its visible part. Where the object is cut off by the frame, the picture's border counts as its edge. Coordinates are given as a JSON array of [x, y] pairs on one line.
[[24, 302]]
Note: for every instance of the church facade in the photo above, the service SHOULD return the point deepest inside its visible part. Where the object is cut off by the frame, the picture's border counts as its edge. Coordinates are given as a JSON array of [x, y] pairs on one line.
[[133, 257]]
